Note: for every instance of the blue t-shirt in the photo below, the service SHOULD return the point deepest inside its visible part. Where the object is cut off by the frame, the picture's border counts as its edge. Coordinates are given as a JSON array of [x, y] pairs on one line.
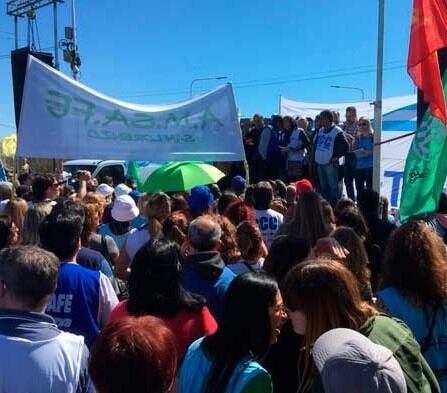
[[416, 319], [75, 303], [367, 143]]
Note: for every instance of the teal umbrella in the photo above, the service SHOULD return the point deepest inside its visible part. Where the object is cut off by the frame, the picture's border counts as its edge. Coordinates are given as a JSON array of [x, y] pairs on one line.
[[181, 176]]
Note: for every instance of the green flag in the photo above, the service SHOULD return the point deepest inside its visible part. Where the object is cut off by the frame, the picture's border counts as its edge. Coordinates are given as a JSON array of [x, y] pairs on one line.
[[426, 166], [134, 173]]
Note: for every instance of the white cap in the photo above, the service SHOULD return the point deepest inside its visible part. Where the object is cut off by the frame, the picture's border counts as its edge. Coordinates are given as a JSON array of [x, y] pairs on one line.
[[122, 189], [349, 362], [104, 189], [124, 209]]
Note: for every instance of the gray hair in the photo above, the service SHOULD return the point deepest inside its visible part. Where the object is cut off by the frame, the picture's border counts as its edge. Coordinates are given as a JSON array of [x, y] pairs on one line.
[[203, 233], [30, 273]]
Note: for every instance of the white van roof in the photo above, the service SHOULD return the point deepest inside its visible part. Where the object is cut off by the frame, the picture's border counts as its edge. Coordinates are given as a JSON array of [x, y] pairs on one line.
[[93, 162]]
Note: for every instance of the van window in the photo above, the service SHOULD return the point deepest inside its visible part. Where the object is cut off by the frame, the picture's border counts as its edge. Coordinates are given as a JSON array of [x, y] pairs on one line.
[[116, 172]]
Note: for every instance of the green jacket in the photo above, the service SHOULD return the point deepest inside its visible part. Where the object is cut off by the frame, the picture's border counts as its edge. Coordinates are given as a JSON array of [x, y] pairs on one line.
[[397, 337]]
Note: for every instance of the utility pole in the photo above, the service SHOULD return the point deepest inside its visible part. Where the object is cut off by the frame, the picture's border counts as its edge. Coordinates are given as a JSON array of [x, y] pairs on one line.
[[378, 101], [56, 46]]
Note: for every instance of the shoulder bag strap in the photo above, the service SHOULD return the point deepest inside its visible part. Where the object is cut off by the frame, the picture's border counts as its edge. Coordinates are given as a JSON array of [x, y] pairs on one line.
[[427, 340]]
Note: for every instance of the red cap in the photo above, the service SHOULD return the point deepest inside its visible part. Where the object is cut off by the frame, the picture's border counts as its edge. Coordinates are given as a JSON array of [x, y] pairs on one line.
[[303, 185]]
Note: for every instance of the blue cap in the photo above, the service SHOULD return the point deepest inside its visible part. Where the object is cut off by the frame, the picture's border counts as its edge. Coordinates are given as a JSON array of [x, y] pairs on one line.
[[200, 199], [238, 183]]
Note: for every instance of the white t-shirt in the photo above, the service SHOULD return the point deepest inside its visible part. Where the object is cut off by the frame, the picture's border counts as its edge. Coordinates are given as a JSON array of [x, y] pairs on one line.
[[137, 238], [268, 221]]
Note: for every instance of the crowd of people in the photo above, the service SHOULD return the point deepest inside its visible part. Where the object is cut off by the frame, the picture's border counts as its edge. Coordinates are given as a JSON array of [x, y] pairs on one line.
[[323, 150], [270, 286]]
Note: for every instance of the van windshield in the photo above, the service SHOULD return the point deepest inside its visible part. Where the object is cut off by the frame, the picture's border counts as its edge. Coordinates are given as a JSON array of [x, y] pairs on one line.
[[73, 169]]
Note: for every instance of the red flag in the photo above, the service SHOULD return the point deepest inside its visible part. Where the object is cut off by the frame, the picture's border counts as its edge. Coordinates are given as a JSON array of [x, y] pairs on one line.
[[428, 35]]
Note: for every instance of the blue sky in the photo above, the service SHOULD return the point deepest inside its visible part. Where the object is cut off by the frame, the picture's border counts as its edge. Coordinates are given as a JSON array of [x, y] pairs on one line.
[[149, 52]]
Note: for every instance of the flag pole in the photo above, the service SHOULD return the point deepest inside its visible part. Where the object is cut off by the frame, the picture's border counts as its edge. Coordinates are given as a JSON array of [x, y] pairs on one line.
[[378, 101]]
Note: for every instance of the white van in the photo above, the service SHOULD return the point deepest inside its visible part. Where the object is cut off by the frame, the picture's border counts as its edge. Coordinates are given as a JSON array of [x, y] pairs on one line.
[[116, 169]]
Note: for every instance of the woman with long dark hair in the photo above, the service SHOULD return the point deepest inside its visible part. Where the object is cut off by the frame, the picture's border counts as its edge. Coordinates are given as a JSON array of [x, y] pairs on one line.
[[415, 290], [321, 295], [227, 361], [308, 220], [155, 289]]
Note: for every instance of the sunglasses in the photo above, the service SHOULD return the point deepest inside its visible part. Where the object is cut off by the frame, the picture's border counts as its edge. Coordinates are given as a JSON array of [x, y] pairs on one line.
[[363, 124]]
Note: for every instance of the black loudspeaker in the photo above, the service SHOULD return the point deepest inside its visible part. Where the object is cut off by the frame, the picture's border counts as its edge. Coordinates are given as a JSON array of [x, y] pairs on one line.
[[19, 59], [422, 106]]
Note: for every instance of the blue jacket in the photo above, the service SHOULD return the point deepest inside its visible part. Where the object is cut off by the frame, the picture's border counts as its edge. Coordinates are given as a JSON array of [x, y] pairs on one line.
[[37, 357], [205, 273], [196, 367]]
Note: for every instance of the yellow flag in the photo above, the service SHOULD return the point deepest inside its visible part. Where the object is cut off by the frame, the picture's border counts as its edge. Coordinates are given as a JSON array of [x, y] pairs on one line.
[[9, 144]]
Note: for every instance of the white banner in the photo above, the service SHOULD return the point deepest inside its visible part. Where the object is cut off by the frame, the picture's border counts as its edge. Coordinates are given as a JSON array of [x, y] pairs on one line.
[[289, 107], [399, 118], [62, 118]]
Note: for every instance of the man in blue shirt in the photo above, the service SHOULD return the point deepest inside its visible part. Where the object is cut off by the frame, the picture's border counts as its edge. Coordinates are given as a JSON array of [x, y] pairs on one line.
[[84, 298], [35, 355]]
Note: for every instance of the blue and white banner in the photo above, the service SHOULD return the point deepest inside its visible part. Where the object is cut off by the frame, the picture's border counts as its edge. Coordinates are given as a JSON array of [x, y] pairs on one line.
[[399, 118], [62, 118]]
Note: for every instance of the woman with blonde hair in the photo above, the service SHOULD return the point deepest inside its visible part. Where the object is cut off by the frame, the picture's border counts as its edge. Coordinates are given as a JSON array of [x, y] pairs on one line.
[[16, 209], [356, 260], [363, 150], [89, 238], [252, 247], [322, 295], [415, 289], [158, 207], [229, 249], [97, 199]]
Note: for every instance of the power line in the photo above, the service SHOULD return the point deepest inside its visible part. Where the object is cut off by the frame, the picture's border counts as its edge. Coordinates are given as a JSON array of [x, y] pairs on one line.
[[255, 83], [181, 91], [8, 55], [7, 125]]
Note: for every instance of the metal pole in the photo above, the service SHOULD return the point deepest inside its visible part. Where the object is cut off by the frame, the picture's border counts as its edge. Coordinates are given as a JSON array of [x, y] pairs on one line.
[[75, 48], [56, 52], [16, 162], [204, 79], [362, 92], [16, 32], [378, 101], [190, 87]]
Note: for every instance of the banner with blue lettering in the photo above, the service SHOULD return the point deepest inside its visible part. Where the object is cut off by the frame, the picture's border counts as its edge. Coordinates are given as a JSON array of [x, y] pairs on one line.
[[62, 118]]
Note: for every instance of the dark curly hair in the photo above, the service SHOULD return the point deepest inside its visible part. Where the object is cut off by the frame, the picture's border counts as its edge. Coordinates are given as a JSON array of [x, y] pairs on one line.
[[415, 263]]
